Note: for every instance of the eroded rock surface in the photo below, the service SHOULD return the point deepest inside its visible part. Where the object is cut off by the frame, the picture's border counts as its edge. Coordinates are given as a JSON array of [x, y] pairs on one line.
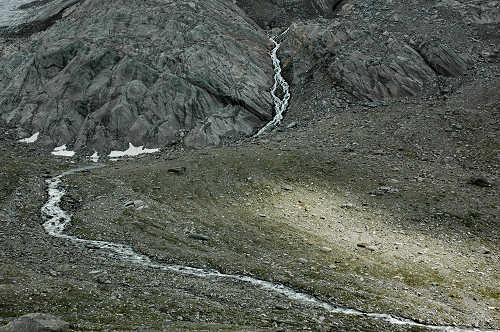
[[109, 73]]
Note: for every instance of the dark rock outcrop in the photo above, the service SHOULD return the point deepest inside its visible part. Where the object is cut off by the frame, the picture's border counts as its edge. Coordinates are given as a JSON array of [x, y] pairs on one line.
[[442, 59], [36, 322], [108, 73]]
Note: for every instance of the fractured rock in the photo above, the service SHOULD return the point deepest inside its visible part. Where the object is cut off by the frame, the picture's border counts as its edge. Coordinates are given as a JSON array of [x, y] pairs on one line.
[[110, 73]]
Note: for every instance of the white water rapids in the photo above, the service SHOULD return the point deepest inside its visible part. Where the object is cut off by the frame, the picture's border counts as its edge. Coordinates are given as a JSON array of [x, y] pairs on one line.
[[57, 220], [280, 104]]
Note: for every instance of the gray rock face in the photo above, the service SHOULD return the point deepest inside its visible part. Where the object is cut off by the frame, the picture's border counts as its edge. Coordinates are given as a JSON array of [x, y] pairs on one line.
[[442, 59], [366, 65], [402, 73], [354, 61], [113, 72], [36, 322]]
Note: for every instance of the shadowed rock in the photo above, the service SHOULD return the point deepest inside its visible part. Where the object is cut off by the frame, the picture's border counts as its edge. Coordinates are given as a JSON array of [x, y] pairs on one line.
[[442, 59]]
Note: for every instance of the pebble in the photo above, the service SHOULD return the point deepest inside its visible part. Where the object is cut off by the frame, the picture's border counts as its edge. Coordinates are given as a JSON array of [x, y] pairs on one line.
[[325, 249], [200, 237], [365, 246], [287, 187]]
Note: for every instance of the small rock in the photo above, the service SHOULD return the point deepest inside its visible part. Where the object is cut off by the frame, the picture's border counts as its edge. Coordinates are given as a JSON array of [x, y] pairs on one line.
[[365, 246], [479, 181], [325, 249], [302, 260], [177, 170], [200, 237], [383, 190], [287, 187], [92, 246], [347, 206], [292, 125]]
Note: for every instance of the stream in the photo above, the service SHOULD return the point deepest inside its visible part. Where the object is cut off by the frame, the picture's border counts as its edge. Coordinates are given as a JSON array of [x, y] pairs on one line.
[[280, 104], [57, 220]]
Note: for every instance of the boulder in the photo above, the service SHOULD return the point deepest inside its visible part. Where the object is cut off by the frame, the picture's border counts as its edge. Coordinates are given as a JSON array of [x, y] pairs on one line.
[[443, 59], [36, 322]]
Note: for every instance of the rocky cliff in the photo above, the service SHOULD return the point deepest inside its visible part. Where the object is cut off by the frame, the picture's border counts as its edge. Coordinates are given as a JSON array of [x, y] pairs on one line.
[[154, 73]]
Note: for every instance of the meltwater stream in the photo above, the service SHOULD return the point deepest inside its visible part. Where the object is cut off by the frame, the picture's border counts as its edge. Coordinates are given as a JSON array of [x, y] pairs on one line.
[[56, 220], [280, 104]]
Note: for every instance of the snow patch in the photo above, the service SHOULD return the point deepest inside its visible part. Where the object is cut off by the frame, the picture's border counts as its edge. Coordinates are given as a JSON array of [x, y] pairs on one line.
[[132, 151], [94, 157], [31, 139], [63, 151]]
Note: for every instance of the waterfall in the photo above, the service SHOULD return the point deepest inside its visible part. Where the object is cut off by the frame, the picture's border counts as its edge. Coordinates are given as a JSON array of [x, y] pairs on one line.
[[280, 104]]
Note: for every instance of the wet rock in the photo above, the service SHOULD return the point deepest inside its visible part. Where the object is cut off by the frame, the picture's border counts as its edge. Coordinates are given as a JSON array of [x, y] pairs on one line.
[[36, 322]]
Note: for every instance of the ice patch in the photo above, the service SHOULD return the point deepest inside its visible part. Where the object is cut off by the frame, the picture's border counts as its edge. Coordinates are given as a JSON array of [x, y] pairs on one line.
[[62, 151], [132, 151], [94, 157], [31, 139]]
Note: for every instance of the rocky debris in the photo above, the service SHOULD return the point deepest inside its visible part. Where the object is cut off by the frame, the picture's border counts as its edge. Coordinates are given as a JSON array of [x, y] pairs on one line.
[[36, 322], [195, 74]]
